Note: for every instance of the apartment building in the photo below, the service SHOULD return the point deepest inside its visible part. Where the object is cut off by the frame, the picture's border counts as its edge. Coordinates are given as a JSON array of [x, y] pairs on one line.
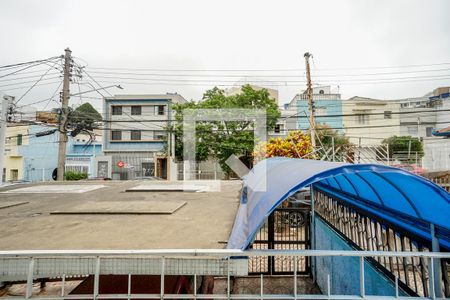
[[135, 140], [327, 106], [368, 121], [31, 153]]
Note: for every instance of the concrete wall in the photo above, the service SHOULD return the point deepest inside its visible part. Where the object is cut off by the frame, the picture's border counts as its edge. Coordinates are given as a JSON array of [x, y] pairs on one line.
[[344, 271], [40, 155], [437, 154]]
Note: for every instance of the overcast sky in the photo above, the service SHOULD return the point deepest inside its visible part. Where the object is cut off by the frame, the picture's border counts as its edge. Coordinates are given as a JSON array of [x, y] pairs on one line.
[[236, 35]]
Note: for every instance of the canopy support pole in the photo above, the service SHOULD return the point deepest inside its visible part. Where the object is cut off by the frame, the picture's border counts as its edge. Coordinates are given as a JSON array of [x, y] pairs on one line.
[[313, 234], [437, 287]]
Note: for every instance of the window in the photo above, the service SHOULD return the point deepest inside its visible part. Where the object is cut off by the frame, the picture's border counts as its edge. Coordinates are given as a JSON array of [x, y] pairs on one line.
[[117, 110], [14, 174], [429, 131], [279, 128], [160, 135], [135, 135], [116, 135], [19, 139], [160, 110], [412, 130], [388, 114], [362, 119], [136, 110]]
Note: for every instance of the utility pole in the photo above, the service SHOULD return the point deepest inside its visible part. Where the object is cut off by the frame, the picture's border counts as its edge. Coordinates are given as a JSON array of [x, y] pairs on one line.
[[6, 103], [65, 95], [309, 92]]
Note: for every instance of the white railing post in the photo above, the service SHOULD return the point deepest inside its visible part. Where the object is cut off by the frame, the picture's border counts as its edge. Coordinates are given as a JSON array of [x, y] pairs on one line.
[[295, 277], [163, 267], [328, 286], [431, 272], [29, 290], [396, 286], [63, 284], [436, 263], [129, 287], [261, 287], [228, 278], [312, 233], [195, 286], [96, 276], [362, 288]]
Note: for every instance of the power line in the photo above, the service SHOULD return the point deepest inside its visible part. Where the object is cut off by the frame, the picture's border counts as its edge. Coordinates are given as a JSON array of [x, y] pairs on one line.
[[27, 67], [27, 77], [37, 81], [265, 70], [25, 82], [29, 62], [24, 87], [445, 76], [266, 75]]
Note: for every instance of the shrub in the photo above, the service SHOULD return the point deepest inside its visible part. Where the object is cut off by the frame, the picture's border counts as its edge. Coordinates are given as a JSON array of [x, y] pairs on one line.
[[71, 175]]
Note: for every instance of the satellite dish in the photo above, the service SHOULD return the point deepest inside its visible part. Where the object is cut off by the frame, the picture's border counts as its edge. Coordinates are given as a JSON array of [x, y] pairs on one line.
[[55, 174]]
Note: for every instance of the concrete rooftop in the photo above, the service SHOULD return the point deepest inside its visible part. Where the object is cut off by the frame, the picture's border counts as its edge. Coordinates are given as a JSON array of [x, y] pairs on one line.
[[49, 218]]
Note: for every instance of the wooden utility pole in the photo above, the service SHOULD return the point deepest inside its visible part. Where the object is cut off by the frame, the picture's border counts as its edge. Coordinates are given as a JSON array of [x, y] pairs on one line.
[[63, 117], [309, 92]]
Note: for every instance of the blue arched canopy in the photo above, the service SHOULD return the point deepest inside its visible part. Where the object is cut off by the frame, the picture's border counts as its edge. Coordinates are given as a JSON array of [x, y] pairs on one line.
[[395, 195]]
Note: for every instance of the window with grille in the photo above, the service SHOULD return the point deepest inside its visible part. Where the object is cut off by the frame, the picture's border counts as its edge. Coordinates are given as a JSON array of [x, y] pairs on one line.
[[160, 135], [135, 135], [279, 128], [412, 130], [136, 110], [116, 135], [362, 119], [388, 114], [160, 110], [117, 110]]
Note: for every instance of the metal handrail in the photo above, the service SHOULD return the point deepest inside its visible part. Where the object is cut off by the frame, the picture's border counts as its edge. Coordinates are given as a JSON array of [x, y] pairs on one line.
[[218, 253], [226, 256]]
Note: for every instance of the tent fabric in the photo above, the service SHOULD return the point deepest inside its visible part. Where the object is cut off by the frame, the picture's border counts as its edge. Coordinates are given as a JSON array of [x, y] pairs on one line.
[[395, 195]]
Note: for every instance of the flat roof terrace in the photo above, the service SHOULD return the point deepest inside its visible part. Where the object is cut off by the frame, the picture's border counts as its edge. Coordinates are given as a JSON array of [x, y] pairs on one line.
[[103, 215]]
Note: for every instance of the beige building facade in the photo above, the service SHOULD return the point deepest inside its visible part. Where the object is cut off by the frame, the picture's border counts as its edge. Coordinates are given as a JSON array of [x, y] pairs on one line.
[[368, 121]]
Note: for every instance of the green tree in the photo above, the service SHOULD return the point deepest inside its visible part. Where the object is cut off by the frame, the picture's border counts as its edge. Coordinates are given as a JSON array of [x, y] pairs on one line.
[[86, 116], [218, 139], [401, 146], [326, 135]]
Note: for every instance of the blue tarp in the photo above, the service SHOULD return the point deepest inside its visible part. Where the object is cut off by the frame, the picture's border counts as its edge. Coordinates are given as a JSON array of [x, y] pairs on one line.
[[395, 195]]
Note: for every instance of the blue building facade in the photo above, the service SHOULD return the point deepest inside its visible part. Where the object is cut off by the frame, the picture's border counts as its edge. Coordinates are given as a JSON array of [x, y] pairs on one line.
[[39, 154], [326, 104]]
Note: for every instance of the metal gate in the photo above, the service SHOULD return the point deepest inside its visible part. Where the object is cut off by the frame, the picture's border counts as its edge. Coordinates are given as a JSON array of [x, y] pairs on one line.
[[287, 228]]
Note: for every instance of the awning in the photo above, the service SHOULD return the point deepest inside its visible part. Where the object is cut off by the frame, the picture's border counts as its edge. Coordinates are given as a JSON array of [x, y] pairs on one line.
[[395, 195]]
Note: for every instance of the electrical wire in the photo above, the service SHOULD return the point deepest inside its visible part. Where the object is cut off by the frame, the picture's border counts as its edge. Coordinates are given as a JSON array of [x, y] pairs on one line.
[[267, 70], [27, 67], [37, 81], [29, 62], [27, 77], [24, 87]]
